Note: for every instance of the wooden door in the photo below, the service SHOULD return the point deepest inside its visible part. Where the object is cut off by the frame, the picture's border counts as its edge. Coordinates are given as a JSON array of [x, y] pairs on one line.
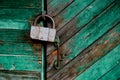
[[89, 32]]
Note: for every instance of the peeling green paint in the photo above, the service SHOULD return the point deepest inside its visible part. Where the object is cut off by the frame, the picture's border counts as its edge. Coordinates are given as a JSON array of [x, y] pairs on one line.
[[20, 4], [55, 3], [17, 50], [113, 74], [75, 7], [19, 62], [93, 31], [101, 67], [18, 14]]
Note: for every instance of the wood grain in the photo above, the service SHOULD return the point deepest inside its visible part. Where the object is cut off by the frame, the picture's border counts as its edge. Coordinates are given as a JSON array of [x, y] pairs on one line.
[[103, 67], [17, 50], [19, 75], [55, 7], [113, 74], [82, 19], [89, 56], [86, 36], [20, 4]]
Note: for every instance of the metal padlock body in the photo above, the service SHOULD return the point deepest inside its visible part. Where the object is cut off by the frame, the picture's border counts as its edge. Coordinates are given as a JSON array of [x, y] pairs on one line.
[[43, 33]]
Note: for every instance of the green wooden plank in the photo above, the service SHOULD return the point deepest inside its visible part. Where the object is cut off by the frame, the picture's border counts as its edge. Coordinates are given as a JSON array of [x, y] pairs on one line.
[[19, 75], [15, 35], [89, 56], [19, 14], [19, 62], [48, 2], [20, 4], [55, 3], [102, 66], [20, 49], [114, 74], [56, 6], [14, 24]]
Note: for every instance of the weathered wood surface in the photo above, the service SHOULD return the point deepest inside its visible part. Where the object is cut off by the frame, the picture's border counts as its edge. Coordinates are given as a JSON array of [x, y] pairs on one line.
[[89, 32], [18, 14], [113, 74], [19, 75], [80, 15], [54, 8], [66, 34], [19, 55], [18, 50], [61, 21], [108, 65], [14, 35], [89, 56], [20, 4], [66, 51], [79, 25]]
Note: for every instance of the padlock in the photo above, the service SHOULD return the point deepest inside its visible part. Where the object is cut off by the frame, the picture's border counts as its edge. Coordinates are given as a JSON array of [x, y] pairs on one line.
[[43, 33]]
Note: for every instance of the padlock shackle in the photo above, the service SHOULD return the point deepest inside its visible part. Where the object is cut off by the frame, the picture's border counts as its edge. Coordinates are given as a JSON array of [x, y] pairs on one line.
[[46, 17]]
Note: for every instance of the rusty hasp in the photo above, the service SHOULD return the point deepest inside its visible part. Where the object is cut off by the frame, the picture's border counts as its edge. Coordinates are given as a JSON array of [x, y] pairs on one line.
[[57, 45], [43, 33]]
